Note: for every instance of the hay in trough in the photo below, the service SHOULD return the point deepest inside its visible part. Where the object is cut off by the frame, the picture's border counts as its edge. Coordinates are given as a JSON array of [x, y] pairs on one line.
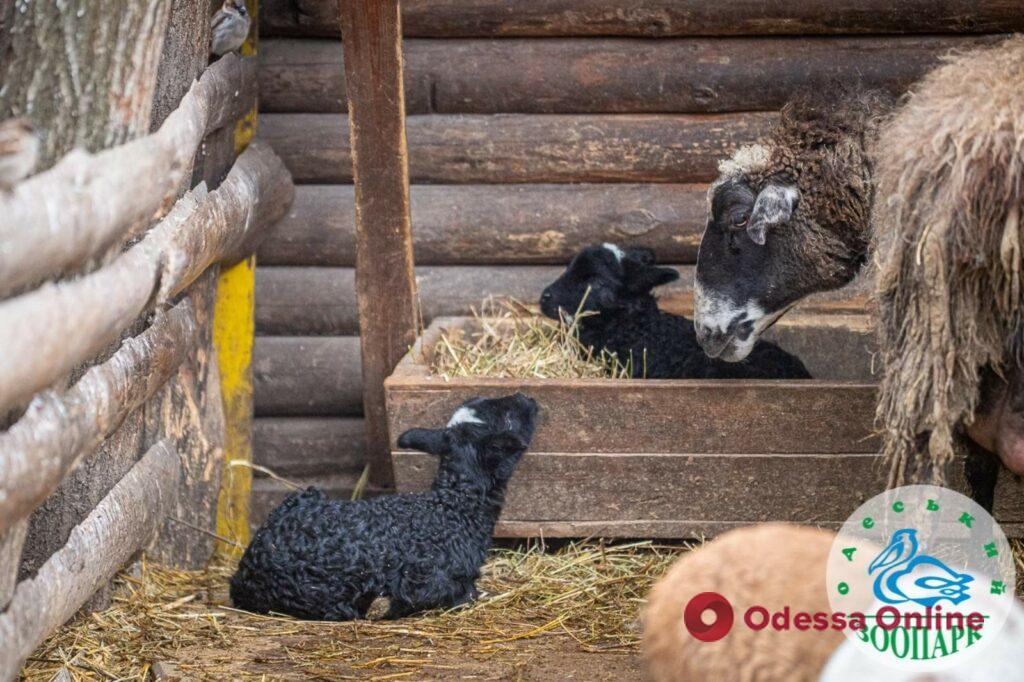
[[583, 599], [511, 341]]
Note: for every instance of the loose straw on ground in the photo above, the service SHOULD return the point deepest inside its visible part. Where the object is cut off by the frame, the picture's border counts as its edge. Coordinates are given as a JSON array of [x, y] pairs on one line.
[[585, 596]]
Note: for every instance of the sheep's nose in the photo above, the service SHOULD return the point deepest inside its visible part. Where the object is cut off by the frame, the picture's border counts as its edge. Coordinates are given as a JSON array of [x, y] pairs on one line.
[[711, 340], [545, 297]]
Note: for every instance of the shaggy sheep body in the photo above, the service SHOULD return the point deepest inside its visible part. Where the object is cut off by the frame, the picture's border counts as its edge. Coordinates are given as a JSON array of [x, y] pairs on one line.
[[318, 558]]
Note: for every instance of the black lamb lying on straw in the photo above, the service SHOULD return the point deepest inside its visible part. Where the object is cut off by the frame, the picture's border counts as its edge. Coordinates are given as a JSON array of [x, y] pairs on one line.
[[323, 559], [613, 287]]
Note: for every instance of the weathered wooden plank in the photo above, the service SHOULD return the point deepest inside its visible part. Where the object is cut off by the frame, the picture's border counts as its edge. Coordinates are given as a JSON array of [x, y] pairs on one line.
[[317, 301], [607, 75], [499, 224], [87, 203], [307, 376], [47, 332], [550, 486], [11, 542], [1009, 499], [509, 148], [294, 447], [657, 416], [98, 547], [58, 430], [385, 287], [658, 18], [268, 493], [189, 414]]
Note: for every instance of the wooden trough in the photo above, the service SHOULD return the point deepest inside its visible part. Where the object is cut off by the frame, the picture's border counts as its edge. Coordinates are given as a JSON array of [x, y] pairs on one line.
[[677, 458]]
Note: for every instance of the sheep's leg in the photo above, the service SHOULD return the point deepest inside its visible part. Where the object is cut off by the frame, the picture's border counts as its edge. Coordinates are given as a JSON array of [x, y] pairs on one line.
[[999, 421], [399, 609], [468, 595]]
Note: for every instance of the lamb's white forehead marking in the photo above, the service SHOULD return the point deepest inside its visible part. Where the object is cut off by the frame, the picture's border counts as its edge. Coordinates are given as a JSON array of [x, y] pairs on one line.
[[464, 415], [616, 251]]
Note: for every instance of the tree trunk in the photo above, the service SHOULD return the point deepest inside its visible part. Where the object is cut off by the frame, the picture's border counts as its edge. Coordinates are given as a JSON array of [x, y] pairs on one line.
[[83, 71]]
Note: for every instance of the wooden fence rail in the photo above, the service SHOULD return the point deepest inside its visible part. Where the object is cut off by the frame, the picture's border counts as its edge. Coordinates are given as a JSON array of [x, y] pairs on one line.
[[85, 204], [47, 332], [58, 430], [121, 524]]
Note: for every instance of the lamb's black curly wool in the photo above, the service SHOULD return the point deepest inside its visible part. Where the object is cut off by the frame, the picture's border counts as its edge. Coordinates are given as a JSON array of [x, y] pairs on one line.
[[318, 558], [614, 286]]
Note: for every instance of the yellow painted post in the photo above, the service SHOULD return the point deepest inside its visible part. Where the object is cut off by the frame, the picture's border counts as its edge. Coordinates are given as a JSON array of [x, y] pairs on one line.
[[234, 326]]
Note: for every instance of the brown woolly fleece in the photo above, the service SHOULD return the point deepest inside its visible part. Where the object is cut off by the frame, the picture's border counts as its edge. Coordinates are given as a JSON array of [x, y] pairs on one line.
[[771, 565], [822, 145], [949, 183]]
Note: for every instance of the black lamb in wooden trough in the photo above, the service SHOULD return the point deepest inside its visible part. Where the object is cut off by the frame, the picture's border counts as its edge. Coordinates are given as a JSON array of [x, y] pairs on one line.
[[324, 559], [613, 286]]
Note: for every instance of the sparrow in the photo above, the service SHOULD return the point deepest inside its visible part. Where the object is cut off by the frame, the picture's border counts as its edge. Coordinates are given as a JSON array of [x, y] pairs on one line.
[[19, 150], [230, 27]]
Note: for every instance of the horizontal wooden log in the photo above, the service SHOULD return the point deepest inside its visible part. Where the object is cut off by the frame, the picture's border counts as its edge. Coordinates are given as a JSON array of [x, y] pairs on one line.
[[697, 488], [58, 430], [122, 523], [656, 18], [87, 203], [510, 148], [47, 332], [499, 224], [310, 376], [268, 493], [608, 75], [321, 301], [293, 447]]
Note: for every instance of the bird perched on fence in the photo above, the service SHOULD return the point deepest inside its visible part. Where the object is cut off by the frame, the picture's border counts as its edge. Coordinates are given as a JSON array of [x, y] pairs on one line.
[[19, 150], [230, 27]]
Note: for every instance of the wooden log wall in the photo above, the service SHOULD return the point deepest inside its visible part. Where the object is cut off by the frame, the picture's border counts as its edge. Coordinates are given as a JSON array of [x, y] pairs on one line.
[[111, 432], [533, 128]]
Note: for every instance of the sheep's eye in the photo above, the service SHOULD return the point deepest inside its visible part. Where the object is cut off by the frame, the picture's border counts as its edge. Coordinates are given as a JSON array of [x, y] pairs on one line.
[[741, 221]]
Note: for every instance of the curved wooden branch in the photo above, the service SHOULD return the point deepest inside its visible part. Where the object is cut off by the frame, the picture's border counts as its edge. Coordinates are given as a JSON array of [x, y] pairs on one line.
[[57, 430], [57, 220], [47, 332], [121, 524]]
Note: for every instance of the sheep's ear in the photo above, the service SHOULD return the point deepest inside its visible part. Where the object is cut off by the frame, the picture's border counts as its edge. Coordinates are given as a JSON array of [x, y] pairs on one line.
[[640, 255], [431, 441], [640, 278], [774, 206]]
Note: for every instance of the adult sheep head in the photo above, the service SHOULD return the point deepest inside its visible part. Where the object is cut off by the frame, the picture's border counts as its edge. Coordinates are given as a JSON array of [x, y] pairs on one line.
[[787, 217]]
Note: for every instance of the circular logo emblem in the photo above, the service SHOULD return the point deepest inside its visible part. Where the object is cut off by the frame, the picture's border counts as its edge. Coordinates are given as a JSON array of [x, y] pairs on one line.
[[923, 577], [708, 603]]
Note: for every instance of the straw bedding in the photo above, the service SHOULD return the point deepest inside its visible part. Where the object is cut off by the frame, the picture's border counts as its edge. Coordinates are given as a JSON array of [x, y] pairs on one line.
[[578, 601]]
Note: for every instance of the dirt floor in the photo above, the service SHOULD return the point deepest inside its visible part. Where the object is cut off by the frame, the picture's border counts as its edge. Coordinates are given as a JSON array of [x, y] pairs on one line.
[[570, 614]]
